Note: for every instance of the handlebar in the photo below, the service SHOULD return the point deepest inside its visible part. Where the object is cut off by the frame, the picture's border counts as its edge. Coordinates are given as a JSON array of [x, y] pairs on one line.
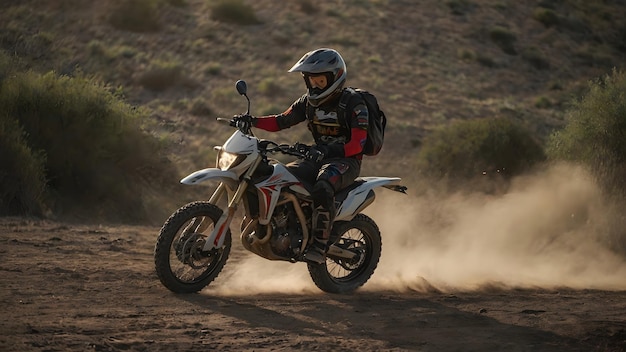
[[236, 122], [297, 149]]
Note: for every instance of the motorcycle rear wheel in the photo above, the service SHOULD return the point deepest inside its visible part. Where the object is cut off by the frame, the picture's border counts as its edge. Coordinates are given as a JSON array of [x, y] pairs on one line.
[[337, 275], [180, 263]]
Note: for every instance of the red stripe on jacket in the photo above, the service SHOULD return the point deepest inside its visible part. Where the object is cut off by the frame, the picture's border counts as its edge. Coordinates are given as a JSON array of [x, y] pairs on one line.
[[357, 141], [268, 123]]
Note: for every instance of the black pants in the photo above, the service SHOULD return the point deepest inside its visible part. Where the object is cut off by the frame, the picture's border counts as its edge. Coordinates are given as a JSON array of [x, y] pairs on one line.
[[327, 177], [339, 172]]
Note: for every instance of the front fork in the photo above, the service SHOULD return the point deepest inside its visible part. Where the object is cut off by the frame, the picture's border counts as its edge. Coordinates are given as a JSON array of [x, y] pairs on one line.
[[217, 236]]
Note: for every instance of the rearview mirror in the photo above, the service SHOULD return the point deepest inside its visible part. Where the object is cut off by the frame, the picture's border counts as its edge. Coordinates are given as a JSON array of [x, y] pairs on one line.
[[242, 87]]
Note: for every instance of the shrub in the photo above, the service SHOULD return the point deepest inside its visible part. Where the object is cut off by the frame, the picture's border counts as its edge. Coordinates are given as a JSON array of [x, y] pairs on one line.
[[135, 15], [619, 39], [233, 11], [213, 68], [466, 54], [465, 150], [595, 136], [307, 6], [200, 107], [5, 66], [546, 16], [19, 42], [161, 75], [595, 133], [22, 177], [504, 38], [177, 3], [270, 87], [97, 158], [543, 102], [459, 7], [99, 52], [486, 61], [536, 58]]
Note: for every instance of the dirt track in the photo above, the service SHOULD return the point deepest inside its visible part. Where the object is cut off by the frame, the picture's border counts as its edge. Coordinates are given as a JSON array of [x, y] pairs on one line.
[[72, 287]]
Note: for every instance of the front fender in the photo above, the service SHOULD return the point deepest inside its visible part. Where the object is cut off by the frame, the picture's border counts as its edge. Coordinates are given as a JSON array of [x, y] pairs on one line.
[[211, 174]]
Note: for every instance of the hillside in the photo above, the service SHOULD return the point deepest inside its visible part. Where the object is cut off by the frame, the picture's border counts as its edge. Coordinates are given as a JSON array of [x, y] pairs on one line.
[[429, 62], [539, 267]]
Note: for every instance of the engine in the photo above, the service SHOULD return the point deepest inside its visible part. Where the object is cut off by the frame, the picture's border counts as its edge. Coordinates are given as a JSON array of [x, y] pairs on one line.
[[287, 236]]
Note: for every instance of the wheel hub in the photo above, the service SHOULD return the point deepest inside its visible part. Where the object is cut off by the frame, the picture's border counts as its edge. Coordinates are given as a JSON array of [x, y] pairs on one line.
[[189, 250], [356, 247]]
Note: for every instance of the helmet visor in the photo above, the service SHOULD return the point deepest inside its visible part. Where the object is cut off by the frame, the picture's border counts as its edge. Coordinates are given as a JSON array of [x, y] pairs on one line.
[[317, 82]]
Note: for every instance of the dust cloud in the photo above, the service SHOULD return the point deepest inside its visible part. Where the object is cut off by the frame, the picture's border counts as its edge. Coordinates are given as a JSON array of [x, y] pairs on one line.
[[549, 230], [256, 275]]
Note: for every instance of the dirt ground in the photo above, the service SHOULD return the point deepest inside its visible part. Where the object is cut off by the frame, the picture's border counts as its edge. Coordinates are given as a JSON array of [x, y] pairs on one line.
[[87, 287]]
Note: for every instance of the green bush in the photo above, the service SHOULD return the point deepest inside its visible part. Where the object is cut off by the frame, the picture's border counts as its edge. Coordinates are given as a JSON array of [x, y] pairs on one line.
[[22, 177], [595, 137], [97, 158], [5, 66], [595, 133], [471, 149], [233, 11]]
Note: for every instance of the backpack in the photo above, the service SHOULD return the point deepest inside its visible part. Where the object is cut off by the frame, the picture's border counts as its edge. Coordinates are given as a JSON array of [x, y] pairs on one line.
[[377, 119]]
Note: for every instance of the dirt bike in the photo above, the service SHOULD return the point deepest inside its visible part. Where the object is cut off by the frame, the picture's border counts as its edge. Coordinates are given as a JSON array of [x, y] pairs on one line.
[[195, 241]]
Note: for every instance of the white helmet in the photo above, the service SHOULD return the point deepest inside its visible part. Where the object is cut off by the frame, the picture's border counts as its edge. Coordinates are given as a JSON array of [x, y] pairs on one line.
[[322, 61]]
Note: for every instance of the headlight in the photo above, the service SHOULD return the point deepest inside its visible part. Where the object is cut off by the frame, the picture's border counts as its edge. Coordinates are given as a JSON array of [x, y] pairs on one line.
[[226, 160]]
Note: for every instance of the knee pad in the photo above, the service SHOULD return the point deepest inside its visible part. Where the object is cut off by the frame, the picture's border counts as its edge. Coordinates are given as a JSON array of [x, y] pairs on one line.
[[323, 194]]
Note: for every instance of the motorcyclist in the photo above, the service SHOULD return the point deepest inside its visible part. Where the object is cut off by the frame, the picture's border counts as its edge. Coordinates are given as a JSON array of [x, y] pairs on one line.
[[335, 159]]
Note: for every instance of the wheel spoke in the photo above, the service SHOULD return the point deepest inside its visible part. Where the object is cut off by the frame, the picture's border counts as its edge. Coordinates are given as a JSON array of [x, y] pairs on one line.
[[187, 262], [353, 239], [180, 263], [342, 275]]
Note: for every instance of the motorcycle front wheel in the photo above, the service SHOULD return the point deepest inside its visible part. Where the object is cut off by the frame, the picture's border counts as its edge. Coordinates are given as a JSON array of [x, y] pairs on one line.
[[181, 264], [338, 275]]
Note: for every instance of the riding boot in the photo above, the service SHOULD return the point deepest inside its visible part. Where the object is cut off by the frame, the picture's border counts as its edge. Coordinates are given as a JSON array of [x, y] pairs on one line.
[[322, 221], [322, 224]]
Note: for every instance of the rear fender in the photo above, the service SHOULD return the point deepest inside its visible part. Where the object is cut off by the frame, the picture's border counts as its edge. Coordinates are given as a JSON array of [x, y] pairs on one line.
[[362, 196]]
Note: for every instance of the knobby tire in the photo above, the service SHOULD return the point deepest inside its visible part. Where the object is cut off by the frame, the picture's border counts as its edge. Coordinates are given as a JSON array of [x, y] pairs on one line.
[[368, 234], [171, 232]]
